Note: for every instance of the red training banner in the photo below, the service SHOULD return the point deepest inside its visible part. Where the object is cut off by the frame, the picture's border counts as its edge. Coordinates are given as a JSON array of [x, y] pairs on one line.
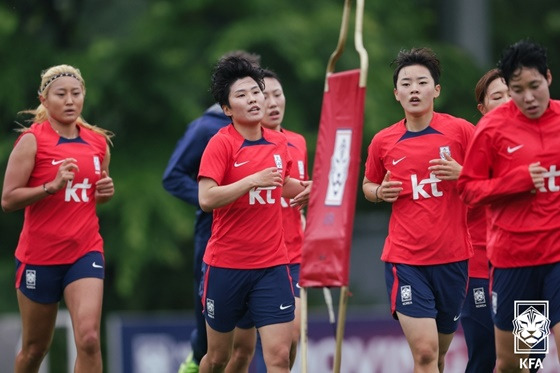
[[330, 215]]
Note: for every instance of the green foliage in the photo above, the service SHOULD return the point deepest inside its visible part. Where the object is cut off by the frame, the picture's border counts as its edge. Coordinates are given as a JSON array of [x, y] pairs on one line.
[[147, 67]]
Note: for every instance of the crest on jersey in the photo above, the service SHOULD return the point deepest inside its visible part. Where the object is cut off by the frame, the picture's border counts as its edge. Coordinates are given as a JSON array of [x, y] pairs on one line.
[[278, 161], [96, 165], [301, 169], [443, 150]]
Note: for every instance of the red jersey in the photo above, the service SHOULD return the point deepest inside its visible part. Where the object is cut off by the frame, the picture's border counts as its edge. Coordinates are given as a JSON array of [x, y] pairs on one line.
[[524, 223], [247, 233], [428, 221], [293, 231], [61, 228]]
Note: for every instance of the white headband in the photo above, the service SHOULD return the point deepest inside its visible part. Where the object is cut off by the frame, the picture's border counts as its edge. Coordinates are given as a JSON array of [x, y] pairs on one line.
[[40, 91]]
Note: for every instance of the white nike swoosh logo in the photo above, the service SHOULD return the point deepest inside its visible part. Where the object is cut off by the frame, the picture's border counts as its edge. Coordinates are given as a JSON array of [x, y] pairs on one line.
[[96, 265], [239, 164], [57, 162], [456, 317], [297, 285], [514, 149], [282, 307], [398, 160]]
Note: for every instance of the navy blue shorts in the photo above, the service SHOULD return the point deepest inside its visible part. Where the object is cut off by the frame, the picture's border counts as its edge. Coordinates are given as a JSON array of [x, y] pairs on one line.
[[536, 283], [261, 296], [431, 291], [46, 283], [294, 273], [247, 323]]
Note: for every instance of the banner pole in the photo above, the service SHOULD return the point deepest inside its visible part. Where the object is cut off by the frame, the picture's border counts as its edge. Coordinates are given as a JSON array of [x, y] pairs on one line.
[[343, 302]]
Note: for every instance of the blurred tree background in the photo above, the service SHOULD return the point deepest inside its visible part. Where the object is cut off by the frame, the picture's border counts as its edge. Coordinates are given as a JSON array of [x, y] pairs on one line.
[[147, 66]]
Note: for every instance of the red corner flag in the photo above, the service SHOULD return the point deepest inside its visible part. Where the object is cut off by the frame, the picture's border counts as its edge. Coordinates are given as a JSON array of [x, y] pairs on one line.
[[330, 215]]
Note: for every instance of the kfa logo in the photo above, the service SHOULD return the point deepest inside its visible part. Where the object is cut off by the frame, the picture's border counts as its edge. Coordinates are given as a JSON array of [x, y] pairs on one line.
[[406, 294], [551, 176], [30, 278], [210, 308], [479, 297], [418, 187], [531, 326], [444, 150], [72, 190], [266, 199], [301, 169], [278, 162]]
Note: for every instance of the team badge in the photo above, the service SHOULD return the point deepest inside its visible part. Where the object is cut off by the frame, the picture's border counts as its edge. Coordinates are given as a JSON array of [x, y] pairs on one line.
[[301, 169], [96, 165], [278, 161], [531, 326], [210, 307], [406, 294], [479, 297], [443, 150], [30, 278]]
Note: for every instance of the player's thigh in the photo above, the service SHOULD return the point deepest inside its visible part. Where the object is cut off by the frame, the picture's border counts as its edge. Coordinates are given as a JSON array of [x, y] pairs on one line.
[[276, 339], [219, 344], [83, 292], [84, 299], [297, 321], [556, 332], [419, 332], [38, 321], [245, 340], [505, 351]]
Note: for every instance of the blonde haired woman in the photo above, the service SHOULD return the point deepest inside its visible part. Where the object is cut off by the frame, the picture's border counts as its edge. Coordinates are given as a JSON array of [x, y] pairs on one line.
[[58, 171]]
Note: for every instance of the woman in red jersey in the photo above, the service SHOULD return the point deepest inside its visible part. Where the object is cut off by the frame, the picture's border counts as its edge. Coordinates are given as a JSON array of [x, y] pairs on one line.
[[413, 164], [244, 172], [511, 166], [58, 172], [292, 216], [490, 92]]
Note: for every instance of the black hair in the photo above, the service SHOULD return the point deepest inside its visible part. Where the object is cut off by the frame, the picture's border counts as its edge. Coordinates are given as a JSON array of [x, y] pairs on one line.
[[270, 74], [227, 71], [417, 56], [524, 53]]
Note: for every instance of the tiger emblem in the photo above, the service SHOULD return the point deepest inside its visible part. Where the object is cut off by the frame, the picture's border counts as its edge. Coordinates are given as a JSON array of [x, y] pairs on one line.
[[531, 327]]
